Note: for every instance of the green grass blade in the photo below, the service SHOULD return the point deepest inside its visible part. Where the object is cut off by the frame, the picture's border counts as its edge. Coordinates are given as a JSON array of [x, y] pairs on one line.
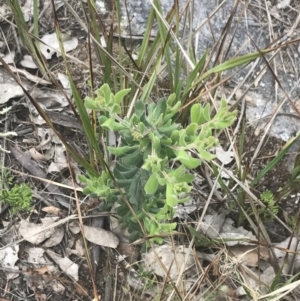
[[234, 62], [192, 76], [26, 38], [149, 86], [274, 162]]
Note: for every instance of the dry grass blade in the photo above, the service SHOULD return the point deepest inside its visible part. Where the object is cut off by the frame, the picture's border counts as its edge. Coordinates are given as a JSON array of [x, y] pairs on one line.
[[281, 292], [27, 38], [88, 258]]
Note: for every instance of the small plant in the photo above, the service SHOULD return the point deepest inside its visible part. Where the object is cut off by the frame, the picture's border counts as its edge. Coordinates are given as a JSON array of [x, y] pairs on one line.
[[153, 158], [268, 198], [18, 197]]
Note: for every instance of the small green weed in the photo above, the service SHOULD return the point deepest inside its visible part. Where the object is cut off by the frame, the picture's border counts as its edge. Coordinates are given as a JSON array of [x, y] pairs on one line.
[[268, 198], [18, 197]]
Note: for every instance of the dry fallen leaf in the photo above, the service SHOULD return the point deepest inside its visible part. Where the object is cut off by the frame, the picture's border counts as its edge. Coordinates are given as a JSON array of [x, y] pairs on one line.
[[8, 58], [52, 210], [9, 91], [36, 233], [81, 289], [100, 237], [217, 226], [65, 264], [250, 254], [36, 155], [212, 224], [74, 227], [225, 157], [64, 80], [41, 270], [172, 259], [54, 48], [35, 256], [28, 62], [8, 258], [55, 238]]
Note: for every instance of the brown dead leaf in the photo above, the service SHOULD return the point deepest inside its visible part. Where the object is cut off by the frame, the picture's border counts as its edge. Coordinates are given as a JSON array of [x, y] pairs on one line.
[[36, 155], [52, 210], [81, 289], [250, 254], [42, 270], [101, 237], [130, 251]]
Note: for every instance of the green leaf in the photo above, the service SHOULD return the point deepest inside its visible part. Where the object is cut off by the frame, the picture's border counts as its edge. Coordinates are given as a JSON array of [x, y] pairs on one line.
[[120, 95], [116, 109], [124, 183], [149, 85], [195, 113], [121, 167], [187, 160], [126, 135], [206, 155], [90, 104], [172, 200], [134, 158], [82, 178], [160, 109], [139, 108], [144, 144], [178, 172], [171, 99], [205, 133], [105, 92], [167, 228], [102, 119], [175, 136], [151, 185], [173, 112], [111, 125], [141, 127], [182, 136], [192, 129], [168, 129], [206, 112], [161, 181], [134, 191], [188, 178], [129, 174], [121, 150], [219, 125]]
